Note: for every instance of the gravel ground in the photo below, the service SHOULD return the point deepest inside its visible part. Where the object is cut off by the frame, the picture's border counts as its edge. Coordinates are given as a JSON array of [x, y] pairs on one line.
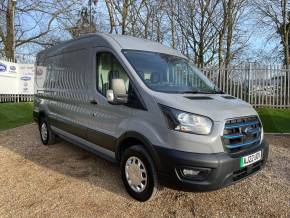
[[63, 180]]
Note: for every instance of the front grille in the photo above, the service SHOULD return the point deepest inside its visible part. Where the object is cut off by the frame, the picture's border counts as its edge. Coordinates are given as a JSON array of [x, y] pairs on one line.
[[241, 133]]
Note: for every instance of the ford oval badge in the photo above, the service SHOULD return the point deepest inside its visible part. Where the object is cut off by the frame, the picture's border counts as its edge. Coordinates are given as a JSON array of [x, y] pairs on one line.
[[3, 67], [25, 78]]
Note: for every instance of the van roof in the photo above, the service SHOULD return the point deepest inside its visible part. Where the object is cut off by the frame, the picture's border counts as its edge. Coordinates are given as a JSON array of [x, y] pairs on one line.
[[117, 42], [130, 42]]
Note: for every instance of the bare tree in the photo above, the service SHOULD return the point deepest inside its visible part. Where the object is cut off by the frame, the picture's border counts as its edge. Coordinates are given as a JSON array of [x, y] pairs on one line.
[[157, 27], [144, 19], [195, 18], [230, 17], [110, 8], [141, 18], [32, 22], [207, 31], [275, 14], [171, 17], [8, 39], [122, 7], [86, 22]]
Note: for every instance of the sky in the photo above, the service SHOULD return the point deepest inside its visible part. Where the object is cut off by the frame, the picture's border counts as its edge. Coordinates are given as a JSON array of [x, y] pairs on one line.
[[260, 46]]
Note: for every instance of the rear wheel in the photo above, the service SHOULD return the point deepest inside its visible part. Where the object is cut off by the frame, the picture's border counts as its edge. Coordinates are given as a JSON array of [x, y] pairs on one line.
[[46, 135], [138, 173]]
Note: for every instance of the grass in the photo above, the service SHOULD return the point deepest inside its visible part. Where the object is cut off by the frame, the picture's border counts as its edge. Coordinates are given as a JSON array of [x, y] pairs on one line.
[[15, 114], [275, 120]]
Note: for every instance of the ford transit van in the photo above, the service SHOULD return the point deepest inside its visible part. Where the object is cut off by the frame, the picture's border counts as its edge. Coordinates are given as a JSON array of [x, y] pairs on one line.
[[148, 108]]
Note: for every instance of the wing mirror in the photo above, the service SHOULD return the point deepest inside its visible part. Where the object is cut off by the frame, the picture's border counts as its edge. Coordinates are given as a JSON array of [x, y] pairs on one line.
[[117, 95]]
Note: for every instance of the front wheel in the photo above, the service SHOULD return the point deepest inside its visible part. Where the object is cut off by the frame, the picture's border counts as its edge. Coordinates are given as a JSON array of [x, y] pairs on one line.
[[46, 135], [138, 173]]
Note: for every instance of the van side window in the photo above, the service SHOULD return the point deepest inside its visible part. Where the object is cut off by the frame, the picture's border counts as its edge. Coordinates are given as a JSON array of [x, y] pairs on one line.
[[109, 68]]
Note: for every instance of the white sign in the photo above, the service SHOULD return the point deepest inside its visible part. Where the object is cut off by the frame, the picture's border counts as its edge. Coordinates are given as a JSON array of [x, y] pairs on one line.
[[16, 78], [8, 78], [40, 75], [26, 79]]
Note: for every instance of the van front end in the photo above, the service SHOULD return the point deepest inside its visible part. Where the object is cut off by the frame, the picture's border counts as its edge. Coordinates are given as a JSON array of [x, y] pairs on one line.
[[230, 151], [191, 171]]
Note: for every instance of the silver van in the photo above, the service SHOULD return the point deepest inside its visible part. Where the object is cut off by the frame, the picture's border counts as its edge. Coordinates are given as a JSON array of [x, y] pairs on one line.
[[146, 107]]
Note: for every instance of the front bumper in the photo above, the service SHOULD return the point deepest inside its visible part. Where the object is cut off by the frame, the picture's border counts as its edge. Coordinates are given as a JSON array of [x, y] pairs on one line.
[[224, 168]]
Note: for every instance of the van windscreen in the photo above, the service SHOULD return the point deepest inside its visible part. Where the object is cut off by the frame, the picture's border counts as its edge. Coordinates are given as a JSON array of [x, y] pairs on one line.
[[168, 73]]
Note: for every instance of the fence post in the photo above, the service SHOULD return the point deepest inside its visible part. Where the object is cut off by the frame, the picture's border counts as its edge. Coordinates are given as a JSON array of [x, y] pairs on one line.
[[249, 83]]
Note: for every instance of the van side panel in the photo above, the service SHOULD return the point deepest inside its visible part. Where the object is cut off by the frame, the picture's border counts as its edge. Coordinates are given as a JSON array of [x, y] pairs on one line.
[[63, 94], [72, 95], [46, 81]]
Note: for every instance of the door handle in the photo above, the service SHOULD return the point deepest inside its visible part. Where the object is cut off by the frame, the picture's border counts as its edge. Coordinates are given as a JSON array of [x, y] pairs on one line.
[[93, 102]]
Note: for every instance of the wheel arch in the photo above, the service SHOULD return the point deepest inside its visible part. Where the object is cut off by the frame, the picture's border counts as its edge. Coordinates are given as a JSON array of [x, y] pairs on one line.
[[41, 114], [131, 138]]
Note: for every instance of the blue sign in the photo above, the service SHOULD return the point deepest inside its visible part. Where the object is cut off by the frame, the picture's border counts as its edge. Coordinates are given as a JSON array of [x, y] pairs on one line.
[[3, 67], [25, 78]]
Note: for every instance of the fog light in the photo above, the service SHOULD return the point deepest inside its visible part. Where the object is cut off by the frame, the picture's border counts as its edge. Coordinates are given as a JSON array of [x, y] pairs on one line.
[[194, 173], [189, 172]]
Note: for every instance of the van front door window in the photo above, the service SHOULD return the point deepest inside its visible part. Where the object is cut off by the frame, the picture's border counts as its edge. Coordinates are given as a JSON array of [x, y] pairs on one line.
[[108, 69]]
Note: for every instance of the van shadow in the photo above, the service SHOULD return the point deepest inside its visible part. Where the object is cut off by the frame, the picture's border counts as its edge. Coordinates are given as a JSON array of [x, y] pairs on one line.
[[64, 158]]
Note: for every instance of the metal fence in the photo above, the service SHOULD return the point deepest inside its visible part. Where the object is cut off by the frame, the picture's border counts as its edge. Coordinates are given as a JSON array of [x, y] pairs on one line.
[[6, 98], [260, 85]]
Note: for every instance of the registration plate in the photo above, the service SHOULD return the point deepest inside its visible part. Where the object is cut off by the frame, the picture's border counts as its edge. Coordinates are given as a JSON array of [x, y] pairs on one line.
[[250, 159]]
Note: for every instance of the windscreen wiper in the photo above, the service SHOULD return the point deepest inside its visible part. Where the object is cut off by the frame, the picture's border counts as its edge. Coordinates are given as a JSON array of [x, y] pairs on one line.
[[190, 92], [203, 92], [218, 92]]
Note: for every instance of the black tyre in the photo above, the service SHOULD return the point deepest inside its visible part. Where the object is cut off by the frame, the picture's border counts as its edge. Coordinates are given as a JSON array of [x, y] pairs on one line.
[[139, 173], [46, 135]]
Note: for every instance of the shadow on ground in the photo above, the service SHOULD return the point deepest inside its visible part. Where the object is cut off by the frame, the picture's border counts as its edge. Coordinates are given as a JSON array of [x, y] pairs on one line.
[[67, 159]]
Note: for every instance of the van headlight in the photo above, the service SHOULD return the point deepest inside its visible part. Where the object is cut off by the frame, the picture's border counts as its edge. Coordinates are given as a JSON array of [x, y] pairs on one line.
[[187, 122]]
